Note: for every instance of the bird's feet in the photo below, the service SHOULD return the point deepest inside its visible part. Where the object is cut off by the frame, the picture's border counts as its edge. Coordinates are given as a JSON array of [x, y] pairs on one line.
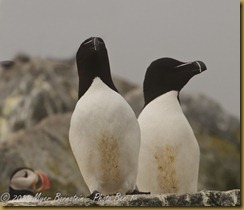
[[95, 196], [137, 192]]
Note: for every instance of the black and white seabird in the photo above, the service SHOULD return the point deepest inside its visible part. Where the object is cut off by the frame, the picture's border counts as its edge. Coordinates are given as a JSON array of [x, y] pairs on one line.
[[169, 154], [25, 182], [104, 133]]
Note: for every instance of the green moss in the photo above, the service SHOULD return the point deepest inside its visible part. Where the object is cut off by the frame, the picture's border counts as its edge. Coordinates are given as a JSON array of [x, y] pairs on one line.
[[9, 103], [219, 163], [224, 147]]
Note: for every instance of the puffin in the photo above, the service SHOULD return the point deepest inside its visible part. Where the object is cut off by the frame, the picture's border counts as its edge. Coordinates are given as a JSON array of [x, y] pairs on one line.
[[104, 132], [169, 152], [26, 182]]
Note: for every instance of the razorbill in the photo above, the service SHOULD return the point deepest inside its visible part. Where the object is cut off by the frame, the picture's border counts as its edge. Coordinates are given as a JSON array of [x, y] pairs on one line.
[[25, 182], [169, 153], [104, 133]]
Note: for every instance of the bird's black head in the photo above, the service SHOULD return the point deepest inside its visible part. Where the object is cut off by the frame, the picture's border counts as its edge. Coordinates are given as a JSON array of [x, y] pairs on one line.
[[166, 74], [92, 61]]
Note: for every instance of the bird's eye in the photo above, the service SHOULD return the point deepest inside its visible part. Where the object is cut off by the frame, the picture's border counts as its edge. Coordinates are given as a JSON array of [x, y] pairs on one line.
[[26, 174]]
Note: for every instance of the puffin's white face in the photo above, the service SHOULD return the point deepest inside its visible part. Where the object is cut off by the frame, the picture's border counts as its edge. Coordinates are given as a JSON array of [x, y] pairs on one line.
[[26, 179]]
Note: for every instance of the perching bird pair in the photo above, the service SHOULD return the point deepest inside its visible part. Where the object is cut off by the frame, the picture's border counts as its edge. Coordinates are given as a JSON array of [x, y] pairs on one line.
[[115, 152]]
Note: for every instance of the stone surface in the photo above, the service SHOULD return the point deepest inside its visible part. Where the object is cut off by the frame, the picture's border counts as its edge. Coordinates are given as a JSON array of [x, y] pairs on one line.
[[202, 198]]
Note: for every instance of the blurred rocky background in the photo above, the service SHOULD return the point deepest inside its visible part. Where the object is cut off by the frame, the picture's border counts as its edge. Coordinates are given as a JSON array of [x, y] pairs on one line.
[[37, 97]]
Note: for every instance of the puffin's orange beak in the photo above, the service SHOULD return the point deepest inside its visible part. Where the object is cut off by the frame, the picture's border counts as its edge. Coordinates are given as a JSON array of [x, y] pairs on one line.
[[45, 183]]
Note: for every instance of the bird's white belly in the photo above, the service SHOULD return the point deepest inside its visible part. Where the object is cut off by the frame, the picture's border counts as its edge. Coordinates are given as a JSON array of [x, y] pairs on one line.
[[169, 154], [105, 142]]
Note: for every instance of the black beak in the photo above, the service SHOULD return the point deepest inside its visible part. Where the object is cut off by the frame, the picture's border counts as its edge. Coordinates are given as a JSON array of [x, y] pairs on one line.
[[94, 43], [196, 67]]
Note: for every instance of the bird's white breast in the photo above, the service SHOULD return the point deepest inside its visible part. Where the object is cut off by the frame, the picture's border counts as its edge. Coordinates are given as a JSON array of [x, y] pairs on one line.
[[169, 154], [105, 138]]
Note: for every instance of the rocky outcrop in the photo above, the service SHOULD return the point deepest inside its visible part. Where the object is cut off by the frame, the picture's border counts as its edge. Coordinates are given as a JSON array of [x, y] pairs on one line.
[[34, 88], [218, 135], [202, 198], [37, 97], [44, 147]]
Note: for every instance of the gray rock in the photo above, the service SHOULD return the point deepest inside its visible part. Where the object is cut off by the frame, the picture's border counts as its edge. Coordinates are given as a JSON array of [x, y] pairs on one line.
[[33, 88], [135, 99], [216, 121], [43, 147], [123, 86], [218, 135], [202, 198]]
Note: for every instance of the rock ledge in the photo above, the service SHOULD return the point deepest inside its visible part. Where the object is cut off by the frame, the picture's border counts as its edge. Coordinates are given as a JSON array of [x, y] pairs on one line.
[[201, 198]]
